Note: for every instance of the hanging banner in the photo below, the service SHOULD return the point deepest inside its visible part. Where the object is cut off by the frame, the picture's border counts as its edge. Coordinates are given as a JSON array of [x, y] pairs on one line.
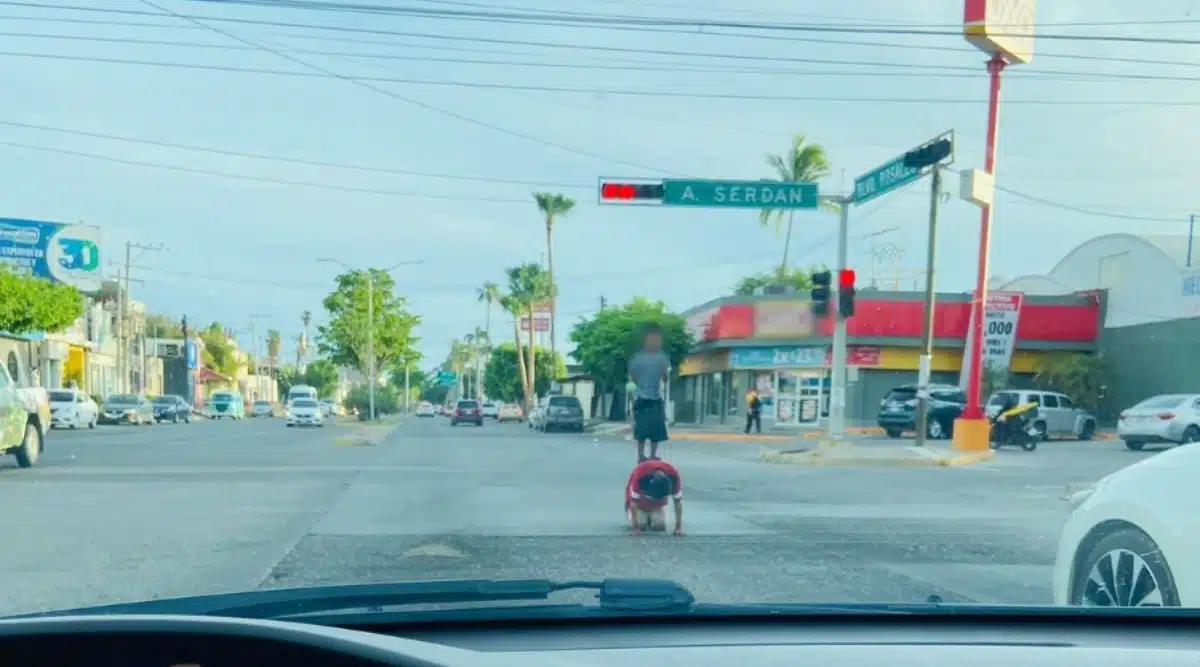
[[1001, 316]]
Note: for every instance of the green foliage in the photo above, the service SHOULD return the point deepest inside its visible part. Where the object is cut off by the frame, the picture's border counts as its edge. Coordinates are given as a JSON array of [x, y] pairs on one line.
[[605, 343], [798, 278], [30, 304], [218, 353], [803, 163], [322, 375], [388, 400], [435, 393], [344, 338], [274, 344], [993, 380], [162, 326], [286, 377], [1083, 377], [502, 381]]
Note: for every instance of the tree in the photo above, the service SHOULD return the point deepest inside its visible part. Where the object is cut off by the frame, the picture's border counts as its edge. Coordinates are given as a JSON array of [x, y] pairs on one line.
[[552, 206], [803, 163], [274, 345], [503, 378], [1085, 378], [797, 278], [489, 294], [387, 400], [322, 375], [344, 338], [29, 304], [162, 326], [528, 284], [606, 342], [218, 354], [435, 393]]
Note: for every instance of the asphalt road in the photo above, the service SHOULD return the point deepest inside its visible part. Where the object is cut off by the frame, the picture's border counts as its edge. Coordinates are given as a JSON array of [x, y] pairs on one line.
[[127, 513]]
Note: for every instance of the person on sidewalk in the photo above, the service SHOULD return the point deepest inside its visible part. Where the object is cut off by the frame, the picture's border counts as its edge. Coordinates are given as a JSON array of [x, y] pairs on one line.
[[646, 493], [647, 370], [753, 411]]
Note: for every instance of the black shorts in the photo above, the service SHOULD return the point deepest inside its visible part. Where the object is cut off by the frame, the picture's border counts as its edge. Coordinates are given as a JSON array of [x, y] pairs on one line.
[[649, 420]]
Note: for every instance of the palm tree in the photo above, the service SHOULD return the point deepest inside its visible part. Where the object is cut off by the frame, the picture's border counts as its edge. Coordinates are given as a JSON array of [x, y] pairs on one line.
[[517, 309], [480, 350], [552, 206], [489, 293], [529, 284], [306, 319], [274, 344], [803, 163]]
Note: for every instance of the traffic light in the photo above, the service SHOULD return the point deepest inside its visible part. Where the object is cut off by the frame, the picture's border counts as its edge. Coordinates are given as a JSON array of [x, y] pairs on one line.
[[846, 293], [611, 193], [928, 155], [820, 293]]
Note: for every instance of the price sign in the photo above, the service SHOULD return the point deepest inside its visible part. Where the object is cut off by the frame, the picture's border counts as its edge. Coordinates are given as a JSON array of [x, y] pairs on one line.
[[1001, 316]]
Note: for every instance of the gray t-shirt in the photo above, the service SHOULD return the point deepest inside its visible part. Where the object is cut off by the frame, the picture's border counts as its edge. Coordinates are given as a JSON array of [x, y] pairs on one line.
[[648, 369]]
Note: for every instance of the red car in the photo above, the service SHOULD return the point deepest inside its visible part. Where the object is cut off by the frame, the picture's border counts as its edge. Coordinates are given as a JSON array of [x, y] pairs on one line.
[[467, 411]]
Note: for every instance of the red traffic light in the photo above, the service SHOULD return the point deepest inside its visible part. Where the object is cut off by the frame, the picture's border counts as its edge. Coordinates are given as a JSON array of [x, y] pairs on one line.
[[618, 191], [846, 278]]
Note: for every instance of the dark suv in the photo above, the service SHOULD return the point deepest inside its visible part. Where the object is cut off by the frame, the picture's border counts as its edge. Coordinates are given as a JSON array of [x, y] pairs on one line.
[[564, 413], [898, 410], [467, 411]]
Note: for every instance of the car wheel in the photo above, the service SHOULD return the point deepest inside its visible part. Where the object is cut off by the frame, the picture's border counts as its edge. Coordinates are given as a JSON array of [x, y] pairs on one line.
[[1135, 446], [1125, 568], [894, 432], [1088, 430], [290, 425], [31, 446], [175, 418], [934, 429], [1190, 435], [1043, 433], [94, 422]]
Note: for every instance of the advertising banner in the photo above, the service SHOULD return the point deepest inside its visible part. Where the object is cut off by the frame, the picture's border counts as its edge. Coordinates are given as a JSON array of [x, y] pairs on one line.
[[784, 319], [541, 318], [1001, 316], [64, 253]]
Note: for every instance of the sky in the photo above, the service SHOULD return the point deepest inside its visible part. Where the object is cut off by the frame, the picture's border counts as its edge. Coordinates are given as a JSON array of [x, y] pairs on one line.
[[246, 140]]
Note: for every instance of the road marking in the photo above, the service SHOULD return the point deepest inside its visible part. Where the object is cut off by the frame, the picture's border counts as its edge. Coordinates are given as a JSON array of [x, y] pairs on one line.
[[434, 550]]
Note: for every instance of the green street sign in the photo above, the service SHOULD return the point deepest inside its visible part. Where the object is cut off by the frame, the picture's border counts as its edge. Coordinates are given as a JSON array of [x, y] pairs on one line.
[[884, 179], [740, 194], [446, 378]]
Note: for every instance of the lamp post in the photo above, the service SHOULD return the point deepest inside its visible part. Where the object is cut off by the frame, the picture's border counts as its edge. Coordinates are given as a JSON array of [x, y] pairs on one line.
[[373, 374]]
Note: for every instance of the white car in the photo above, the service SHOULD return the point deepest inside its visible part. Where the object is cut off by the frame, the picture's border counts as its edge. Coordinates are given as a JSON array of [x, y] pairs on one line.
[[262, 409], [305, 412], [491, 410], [71, 408], [425, 409], [1131, 540], [326, 408], [1172, 419]]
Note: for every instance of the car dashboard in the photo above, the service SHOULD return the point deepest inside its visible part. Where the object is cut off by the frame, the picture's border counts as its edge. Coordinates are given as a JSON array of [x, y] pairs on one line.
[[826, 640]]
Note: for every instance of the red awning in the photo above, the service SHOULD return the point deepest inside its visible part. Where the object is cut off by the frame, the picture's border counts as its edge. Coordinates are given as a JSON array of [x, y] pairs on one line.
[[208, 375]]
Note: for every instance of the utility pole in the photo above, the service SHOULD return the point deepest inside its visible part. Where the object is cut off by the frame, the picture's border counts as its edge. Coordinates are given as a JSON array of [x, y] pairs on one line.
[[371, 342], [837, 384], [258, 387], [407, 391], [603, 303], [926, 362], [123, 333]]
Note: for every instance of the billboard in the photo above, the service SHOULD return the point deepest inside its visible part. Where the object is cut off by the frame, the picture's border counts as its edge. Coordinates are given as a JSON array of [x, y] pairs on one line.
[[541, 317], [64, 253]]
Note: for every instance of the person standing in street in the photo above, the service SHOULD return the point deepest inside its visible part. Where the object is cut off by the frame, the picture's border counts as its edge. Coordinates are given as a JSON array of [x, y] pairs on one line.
[[753, 411], [647, 370]]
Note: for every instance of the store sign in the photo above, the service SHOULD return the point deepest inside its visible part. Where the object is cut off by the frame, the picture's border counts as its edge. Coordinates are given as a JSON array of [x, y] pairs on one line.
[[783, 319], [699, 324], [1190, 291], [858, 355], [1004, 27], [777, 357], [1000, 319], [541, 318], [64, 253]]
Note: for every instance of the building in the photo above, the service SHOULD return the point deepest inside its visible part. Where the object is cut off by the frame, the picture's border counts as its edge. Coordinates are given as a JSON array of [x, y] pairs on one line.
[[774, 343]]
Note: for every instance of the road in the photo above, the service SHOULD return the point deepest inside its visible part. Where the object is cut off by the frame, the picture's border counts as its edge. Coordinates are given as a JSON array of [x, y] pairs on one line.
[[126, 513]]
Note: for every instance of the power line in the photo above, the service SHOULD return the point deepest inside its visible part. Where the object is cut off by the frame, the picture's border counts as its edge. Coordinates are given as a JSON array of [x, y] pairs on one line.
[[555, 45], [368, 81], [558, 18], [952, 71]]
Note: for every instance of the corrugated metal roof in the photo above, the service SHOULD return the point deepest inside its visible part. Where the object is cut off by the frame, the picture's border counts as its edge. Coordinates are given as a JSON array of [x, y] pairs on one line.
[[1175, 247]]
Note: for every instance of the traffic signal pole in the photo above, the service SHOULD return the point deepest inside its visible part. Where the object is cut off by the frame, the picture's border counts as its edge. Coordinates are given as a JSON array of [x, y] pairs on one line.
[[926, 364], [837, 388]]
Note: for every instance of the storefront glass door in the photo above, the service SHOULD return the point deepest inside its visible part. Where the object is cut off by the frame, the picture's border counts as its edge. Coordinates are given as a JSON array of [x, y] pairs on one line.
[[799, 397]]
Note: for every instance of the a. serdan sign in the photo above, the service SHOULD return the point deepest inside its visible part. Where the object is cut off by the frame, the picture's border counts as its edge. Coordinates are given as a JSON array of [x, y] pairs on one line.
[[1001, 316]]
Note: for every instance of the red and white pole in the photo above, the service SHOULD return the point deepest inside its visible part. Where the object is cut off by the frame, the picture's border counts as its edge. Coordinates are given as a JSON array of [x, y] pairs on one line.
[[974, 384]]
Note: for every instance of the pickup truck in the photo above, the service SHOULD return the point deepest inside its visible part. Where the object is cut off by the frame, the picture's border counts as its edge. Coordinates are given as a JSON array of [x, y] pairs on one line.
[[24, 420]]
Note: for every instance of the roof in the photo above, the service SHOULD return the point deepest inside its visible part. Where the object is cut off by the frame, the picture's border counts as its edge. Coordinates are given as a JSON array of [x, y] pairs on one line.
[[1173, 246]]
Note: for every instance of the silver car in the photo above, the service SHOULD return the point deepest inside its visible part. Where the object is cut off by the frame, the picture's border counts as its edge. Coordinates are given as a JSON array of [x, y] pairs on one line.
[[1167, 418], [1057, 417]]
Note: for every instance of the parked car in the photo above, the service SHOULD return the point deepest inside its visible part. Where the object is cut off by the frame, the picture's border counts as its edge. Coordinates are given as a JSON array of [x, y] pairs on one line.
[[127, 409], [71, 408], [24, 420], [1167, 419], [491, 410], [467, 411], [509, 412], [226, 405], [262, 409], [305, 412], [898, 410], [1057, 416], [171, 408], [563, 413], [425, 409]]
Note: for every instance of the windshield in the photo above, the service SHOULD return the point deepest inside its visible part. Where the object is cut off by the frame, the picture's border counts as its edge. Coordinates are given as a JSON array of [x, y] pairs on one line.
[[429, 279], [62, 397]]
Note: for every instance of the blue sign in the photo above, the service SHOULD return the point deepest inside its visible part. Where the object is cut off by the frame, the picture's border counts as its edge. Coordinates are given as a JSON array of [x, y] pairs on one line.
[[777, 357], [1191, 285], [192, 356], [69, 254], [883, 179]]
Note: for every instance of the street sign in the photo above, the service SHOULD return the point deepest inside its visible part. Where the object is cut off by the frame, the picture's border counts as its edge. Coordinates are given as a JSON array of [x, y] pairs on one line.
[[446, 378], [893, 174], [740, 194]]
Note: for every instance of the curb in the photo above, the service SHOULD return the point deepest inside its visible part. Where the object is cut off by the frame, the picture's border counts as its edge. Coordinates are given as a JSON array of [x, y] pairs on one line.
[[922, 459]]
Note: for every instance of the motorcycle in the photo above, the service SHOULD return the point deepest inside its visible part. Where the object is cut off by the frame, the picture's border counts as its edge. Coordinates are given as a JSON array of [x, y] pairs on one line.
[[1014, 427]]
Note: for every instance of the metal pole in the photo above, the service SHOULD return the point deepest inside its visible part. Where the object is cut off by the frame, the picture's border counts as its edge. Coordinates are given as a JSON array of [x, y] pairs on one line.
[[974, 409], [123, 353], [407, 391], [1191, 235], [935, 191], [837, 394], [371, 344]]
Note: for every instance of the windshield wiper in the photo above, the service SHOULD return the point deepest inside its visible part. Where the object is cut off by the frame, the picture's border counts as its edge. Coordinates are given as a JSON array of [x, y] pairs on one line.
[[613, 594]]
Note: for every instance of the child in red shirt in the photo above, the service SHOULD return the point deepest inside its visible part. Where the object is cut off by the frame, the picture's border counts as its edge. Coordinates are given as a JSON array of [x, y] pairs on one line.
[[646, 493]]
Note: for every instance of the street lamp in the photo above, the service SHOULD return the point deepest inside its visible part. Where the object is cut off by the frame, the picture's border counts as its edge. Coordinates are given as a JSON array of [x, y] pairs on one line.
[[373, 375]]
